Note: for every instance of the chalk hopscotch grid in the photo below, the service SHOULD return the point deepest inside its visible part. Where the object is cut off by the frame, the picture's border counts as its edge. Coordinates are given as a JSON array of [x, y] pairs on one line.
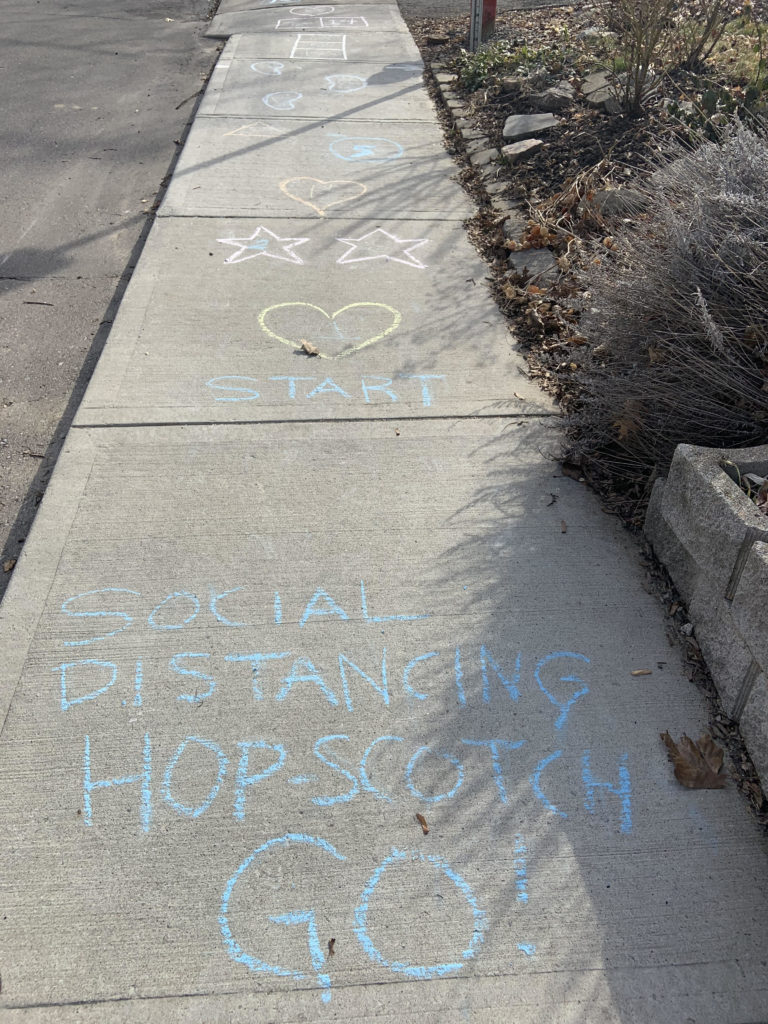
[[319, 47]]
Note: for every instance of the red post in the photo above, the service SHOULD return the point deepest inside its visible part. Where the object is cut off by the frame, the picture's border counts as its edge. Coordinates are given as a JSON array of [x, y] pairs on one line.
[[489, 19]]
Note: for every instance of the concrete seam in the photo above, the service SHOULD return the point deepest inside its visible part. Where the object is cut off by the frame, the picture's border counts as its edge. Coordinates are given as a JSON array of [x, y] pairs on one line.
[[747, 686], [753, 533], [283, 422]]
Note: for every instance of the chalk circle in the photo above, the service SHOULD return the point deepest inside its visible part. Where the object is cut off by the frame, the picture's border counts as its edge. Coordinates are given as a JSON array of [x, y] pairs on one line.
[[321, 195], [436, 798], [281, 100], [222, 764], [267, 67], [349, 329], [423, 971], [346, 83], [368, 149], [234, 949]]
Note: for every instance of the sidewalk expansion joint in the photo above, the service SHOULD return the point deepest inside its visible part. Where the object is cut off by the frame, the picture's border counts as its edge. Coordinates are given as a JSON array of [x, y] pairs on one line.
[[317, 419]]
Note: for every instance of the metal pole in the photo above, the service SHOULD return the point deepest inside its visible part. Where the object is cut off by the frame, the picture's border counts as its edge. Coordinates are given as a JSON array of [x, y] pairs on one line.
[[476, 24], [482, 21]]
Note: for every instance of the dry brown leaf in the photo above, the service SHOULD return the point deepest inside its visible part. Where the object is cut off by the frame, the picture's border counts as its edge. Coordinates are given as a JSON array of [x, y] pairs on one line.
[[309, 348], [697, 765], [563, 526], [423, 822], [331, 944], [9, 564], [641, 672], [711, 753]]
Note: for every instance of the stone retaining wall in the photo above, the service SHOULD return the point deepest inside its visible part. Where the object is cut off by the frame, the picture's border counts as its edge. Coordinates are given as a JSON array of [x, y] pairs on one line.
[[714, 543]]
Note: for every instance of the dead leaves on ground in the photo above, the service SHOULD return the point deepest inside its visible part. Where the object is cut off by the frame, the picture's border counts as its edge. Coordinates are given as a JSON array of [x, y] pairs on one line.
[[539, 235], [698, 764]]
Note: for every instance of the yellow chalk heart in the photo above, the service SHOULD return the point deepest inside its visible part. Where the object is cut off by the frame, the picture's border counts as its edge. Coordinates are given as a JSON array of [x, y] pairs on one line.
[[348, 330], [322, 195]]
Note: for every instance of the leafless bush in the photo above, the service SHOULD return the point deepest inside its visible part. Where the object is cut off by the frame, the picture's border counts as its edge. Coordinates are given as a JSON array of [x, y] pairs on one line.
[[677, 315], [641, 28], [698, 28], [653, 36]]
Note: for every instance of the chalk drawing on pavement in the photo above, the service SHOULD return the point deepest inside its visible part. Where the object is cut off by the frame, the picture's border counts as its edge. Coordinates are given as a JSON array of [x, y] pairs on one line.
[[381, 245], [320, 195], [339, 334], [319, 18], [399, 966], [319, 46], [263, 242], [372, 388], [273, 917], [281, 100], [238, 904], [267, 67], [368, 149], [346, 83], [256, 129], [307, 917]]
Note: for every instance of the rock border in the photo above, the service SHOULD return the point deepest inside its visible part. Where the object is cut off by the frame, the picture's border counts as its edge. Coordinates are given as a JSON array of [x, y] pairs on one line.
[[714, 544], [485, 160]]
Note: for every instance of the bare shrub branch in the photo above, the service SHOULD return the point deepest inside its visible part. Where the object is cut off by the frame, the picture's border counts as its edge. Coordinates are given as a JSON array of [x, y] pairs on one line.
[[678, 316]]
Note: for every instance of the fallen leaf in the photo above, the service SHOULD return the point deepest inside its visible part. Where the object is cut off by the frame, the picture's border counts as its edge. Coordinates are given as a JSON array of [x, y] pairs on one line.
[[641, 672], [309, 348], [331, 944], [697, 765], [9, 564], [563, 526], [423, 822], [397, 432], [572, 470]]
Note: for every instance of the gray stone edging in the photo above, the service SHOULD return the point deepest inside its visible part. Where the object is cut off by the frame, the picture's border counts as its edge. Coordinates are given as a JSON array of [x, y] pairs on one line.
[[714, 543]]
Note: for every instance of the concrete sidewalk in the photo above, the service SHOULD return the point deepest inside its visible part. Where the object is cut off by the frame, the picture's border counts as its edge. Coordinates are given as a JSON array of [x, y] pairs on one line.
[[316, 674]]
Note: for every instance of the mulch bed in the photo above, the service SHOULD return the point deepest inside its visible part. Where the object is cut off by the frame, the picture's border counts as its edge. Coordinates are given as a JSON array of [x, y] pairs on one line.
[[590, 150]]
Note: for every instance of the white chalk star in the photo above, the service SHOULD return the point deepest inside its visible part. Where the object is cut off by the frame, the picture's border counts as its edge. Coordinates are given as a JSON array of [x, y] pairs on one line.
[[380, 245], [260, 243]]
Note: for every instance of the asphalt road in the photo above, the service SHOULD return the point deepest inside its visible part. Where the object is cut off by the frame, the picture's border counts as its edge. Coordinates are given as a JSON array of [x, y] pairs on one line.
[[93, 101]]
